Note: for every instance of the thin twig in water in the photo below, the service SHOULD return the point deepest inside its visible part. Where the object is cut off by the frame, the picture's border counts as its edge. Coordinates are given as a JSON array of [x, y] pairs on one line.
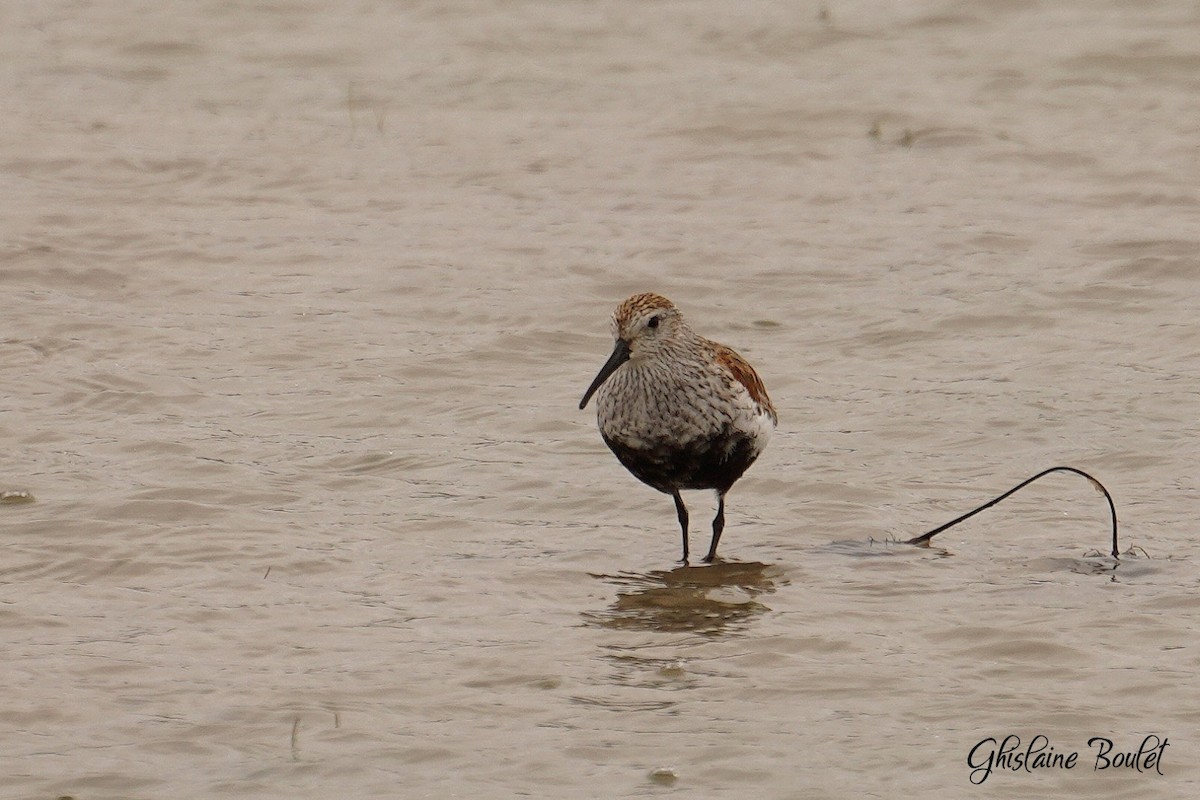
[[924, 538]]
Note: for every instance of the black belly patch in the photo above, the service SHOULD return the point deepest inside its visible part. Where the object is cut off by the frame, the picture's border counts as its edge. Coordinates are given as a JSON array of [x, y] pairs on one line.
[[712, 463]]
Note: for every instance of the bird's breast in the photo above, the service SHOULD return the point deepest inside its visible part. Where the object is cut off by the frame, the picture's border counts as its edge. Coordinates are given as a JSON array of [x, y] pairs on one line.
[[651, 409]]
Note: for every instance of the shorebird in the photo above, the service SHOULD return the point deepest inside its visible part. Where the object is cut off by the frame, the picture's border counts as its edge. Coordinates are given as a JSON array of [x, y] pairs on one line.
[[679, 411]]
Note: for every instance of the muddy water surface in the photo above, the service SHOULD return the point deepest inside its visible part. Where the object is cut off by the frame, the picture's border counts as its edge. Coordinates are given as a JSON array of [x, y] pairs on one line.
[[300, 299]]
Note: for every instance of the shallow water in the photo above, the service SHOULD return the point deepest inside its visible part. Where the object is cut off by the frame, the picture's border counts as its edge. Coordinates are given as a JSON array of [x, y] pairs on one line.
[[300, 299]]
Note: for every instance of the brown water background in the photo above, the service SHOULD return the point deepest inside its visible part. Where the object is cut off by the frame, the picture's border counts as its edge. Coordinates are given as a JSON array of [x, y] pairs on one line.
[[300, 299]]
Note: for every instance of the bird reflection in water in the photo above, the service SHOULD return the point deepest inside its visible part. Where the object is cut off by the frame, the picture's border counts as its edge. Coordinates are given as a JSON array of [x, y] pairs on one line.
[[711, 601]]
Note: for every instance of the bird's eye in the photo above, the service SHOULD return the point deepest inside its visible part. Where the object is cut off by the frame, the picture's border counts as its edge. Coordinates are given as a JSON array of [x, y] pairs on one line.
[[653, 323]]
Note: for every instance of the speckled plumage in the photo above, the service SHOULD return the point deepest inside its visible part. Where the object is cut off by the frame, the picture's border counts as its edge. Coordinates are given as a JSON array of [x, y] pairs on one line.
[[679, 411]]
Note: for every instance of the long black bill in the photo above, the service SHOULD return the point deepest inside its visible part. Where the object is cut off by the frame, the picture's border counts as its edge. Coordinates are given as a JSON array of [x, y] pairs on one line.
[[620, 355]]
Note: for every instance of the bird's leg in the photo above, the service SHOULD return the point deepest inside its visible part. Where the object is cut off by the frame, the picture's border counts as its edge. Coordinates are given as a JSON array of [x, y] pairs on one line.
[[683, 522], [718, 526]]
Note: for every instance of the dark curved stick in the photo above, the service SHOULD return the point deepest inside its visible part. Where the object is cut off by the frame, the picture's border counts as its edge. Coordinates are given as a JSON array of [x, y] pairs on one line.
[[925, 537]]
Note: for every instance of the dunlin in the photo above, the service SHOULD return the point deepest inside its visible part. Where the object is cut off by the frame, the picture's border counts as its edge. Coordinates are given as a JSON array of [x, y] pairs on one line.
[[679, 411]]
